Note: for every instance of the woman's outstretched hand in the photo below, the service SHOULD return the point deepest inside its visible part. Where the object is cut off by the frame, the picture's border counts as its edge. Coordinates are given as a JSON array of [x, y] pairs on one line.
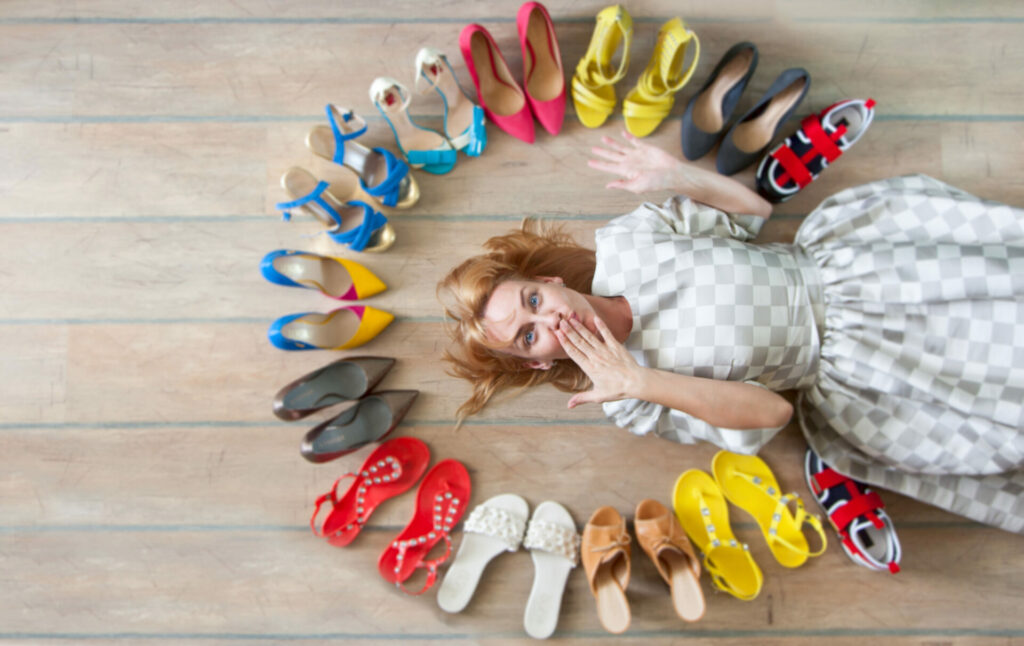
[[643, 167], [613, 371]]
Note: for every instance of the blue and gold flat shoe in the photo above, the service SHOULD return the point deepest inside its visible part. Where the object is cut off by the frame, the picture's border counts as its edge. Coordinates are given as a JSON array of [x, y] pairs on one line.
[[422, 147], [463, 120], [381, 174]]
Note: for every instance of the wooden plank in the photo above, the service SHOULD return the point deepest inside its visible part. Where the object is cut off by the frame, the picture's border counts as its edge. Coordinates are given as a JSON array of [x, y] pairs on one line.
[[468, 11], [93, 270], [257, 69], [287, 583], [220, 170], [215, 475]]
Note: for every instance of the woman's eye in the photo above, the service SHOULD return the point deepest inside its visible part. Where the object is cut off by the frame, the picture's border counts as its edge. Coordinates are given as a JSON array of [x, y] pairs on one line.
[[529, 337], [534, 301]]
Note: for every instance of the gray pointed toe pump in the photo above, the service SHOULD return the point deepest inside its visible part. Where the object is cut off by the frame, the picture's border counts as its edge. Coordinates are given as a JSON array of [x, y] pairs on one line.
[[340, 381], [371, 419]]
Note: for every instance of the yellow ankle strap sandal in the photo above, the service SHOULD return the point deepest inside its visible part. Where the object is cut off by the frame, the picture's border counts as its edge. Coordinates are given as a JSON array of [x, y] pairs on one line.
[[651, 100], [747, 482], [593, 93]]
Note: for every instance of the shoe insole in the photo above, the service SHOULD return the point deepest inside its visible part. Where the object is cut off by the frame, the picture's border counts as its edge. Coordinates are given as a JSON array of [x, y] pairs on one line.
[[707, 109], [298, 183], [409, 135], [324, 273], [497, 87], [544, 79], [850, 117], [475, 552], [342, 382], [612, 605], [550, 574], [370, 164], [460, 110], [323, 330], [687, 597], [755, 134], [360, 425]]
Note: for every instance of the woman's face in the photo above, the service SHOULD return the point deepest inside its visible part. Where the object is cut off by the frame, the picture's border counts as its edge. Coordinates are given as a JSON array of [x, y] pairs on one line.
[[525, 314]]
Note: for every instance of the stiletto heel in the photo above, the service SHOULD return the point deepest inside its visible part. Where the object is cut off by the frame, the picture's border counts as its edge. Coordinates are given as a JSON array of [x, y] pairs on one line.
[[423, 148], [339, 381], [381, 174], [503, 101], [334, 205], [463, 119], [335, 277], [543, 77], [371, 420]]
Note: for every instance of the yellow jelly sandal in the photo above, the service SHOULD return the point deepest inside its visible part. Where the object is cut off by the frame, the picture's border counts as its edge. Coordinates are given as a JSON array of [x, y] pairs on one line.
[[651, 100], [749, 484], [704, 515], [593, 93]]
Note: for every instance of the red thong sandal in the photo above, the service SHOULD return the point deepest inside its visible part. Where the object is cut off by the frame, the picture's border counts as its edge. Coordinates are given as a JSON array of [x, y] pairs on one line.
[[821, 139], [856, 512], [440, 502], [390, 470]]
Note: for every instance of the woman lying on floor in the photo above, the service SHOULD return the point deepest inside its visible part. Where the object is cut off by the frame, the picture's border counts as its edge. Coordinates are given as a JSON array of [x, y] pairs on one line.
[[898, 312]]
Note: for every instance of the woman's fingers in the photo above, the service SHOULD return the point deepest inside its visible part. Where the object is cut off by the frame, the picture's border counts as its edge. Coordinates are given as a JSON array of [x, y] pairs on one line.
[[580, 335], [608, 167], [613, 144], [610, 155], [578, 356]]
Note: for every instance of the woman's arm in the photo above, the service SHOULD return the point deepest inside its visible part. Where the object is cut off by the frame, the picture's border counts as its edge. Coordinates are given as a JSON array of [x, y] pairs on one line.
[[644, 167], [616, 375]]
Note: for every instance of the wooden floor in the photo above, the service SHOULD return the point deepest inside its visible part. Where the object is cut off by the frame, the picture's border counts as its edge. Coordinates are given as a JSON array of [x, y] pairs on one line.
[[147, 494]]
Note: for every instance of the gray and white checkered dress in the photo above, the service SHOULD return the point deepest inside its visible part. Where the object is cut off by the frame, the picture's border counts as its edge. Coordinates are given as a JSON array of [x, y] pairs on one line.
[[898, 313]]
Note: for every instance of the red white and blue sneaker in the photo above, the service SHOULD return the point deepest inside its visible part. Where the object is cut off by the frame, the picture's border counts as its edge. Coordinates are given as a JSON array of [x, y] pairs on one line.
[[857, 514], [821, 139]]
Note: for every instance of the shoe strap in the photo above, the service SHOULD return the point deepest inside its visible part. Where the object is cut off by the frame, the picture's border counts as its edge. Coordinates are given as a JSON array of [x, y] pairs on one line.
[[801, 517], [387, 191], [339, 137], [499, 523], [358, 237], [473, 139], [382, 85], [656, 81], [446, 506], [583, 94], [316, 196], [593, 75], [554, 538], [822, 143], [367, 478]]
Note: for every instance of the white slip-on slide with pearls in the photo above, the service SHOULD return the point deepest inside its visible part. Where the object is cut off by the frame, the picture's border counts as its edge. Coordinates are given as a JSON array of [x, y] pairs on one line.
[[493, 527], [554, 545]]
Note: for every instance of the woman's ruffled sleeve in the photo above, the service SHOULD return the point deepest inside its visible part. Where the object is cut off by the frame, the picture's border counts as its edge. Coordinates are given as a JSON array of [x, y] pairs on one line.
[[645, 418]]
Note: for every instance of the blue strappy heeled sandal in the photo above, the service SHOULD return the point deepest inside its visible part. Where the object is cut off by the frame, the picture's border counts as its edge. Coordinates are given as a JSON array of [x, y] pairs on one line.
[[372, 234], [467, 133], [381, 174], [422, 147]]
